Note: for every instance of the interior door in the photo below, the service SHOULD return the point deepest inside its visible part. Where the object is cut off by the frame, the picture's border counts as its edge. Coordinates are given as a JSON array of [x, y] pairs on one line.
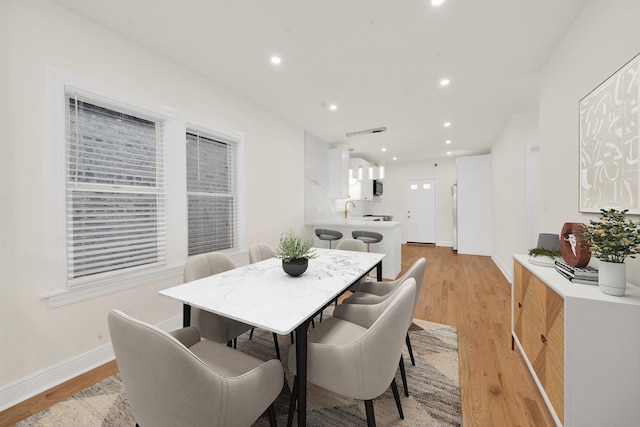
[[421, 210]]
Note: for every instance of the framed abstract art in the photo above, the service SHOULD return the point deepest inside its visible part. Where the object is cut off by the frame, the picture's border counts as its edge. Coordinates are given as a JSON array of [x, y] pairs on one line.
[[609, 142]]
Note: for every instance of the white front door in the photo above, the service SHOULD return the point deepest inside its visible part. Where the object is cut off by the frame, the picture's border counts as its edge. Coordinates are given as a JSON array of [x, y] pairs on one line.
[[421, 210]]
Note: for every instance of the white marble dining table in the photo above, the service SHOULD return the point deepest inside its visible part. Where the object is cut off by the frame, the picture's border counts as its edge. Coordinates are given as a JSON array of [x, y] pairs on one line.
[[264, 296]]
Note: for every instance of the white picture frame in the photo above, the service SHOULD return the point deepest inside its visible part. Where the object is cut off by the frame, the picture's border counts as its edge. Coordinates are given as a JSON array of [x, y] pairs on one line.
[[609, 168]]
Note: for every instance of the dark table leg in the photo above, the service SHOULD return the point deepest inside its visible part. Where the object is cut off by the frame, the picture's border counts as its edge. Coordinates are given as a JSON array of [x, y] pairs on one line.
[[186, 315], [301, 371], [379, 271]]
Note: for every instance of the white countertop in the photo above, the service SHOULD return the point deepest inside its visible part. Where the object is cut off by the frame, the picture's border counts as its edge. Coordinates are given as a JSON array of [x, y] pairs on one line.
[[263, 295], [357, 222]]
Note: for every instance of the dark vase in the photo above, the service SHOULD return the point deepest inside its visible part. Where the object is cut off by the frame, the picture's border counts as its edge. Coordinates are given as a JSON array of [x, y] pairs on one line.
[[295, 267]]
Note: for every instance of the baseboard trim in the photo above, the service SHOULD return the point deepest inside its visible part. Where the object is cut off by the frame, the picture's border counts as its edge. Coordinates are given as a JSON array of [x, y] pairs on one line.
[[504, 272], [18, 391]]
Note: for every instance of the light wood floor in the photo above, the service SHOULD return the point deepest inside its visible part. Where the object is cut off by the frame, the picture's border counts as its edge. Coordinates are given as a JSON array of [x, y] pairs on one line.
[[465, 291]]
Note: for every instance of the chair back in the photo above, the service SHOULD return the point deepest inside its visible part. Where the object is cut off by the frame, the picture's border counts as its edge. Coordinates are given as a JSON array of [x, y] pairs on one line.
[[416, 272], [211, 325], [165, 383], [352, 245], [359, 360], [383, 342], [207, 264], [367, 234], [259, 252], [377, 292]]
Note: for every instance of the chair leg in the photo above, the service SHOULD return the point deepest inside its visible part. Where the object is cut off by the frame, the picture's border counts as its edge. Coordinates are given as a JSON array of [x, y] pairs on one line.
[[321, 317], [371, 418], [292, 340], [230, 343], [396, 396], [275, 342], [292, 402], [271, 411], [251, 333], [235, 343], [408, 341], [403, 374]]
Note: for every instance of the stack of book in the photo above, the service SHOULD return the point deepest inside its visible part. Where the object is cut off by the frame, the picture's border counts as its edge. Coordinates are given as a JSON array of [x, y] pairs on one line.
[[586, 275]]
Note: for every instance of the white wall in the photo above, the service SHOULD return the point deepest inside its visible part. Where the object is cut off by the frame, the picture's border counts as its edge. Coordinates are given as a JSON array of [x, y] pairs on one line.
[[510, 228], [36, 337], [603, 38], [395, 182]]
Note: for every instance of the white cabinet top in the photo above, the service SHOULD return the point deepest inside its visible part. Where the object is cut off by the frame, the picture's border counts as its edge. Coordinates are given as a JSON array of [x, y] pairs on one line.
[[567, 289]]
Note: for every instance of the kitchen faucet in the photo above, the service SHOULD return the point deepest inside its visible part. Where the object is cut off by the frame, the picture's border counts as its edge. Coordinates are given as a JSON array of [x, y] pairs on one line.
[[346, 208]]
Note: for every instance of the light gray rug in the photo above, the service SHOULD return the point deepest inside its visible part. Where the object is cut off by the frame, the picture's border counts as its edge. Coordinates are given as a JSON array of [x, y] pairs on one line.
[[433, 386]]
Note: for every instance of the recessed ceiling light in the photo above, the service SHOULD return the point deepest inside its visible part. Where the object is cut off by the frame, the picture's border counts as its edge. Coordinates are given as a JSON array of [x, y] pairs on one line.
[[437, 2], [384, 149], [447, 124], [445, 82], [333, 107], [448, 153], [395, 158], [448, 141], [275, 60]]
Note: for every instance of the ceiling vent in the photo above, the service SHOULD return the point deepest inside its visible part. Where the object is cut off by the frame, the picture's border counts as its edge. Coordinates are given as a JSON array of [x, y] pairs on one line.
[[367, 131]]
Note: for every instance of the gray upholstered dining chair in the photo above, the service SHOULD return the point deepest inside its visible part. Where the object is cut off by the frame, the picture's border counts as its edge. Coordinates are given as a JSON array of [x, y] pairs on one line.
[[177, 379], [213, 326], [359, 360], [260, 252], [376, 292]]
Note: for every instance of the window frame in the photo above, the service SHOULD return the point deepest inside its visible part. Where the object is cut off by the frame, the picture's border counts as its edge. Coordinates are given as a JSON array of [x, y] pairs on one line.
[[85, 189], [236, 142], [58, 293]]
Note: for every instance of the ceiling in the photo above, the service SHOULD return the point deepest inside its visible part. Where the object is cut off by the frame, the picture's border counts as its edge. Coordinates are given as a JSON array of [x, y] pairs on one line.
[[379, 61]]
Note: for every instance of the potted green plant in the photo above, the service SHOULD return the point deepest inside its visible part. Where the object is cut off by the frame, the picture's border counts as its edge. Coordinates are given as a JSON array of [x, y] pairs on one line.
[[295, 253], [612, 239]]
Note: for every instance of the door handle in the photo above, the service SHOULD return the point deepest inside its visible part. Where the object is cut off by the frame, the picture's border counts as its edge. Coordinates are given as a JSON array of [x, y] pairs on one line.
[[543, 338]]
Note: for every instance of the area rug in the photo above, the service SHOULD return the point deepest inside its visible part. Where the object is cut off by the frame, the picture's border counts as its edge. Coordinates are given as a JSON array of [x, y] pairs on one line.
[[433, 386]]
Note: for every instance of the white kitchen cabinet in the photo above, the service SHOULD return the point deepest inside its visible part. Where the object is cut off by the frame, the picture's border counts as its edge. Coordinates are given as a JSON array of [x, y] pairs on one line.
[[581, 346], [361, 188]]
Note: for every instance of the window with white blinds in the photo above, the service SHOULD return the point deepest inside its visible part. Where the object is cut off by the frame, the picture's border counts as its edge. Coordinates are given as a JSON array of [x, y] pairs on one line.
[[115, 198], [212, 192]]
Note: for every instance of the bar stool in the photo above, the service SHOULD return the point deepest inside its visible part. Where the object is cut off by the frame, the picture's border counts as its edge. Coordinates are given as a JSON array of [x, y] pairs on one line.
[[324, 234], [368, 237]]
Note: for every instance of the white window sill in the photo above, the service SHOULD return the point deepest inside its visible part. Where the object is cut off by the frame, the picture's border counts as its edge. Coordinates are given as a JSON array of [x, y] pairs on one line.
[[64, 297]]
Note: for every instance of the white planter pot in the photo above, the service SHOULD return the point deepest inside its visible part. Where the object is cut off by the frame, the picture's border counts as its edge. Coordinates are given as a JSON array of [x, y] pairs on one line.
[[612, 277]]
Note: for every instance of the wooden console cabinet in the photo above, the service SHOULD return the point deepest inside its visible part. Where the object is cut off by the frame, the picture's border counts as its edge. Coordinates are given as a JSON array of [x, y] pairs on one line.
[[581, 346]]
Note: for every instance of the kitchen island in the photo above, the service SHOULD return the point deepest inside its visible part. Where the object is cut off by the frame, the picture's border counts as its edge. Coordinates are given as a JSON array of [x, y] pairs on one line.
[[390, 244]]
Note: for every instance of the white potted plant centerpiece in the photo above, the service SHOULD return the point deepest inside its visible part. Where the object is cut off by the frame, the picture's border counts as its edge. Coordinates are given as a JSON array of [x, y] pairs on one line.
[[612, 240]]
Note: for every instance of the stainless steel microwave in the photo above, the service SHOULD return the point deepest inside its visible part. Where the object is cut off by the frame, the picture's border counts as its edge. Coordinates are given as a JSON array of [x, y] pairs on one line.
[[377, 187]]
